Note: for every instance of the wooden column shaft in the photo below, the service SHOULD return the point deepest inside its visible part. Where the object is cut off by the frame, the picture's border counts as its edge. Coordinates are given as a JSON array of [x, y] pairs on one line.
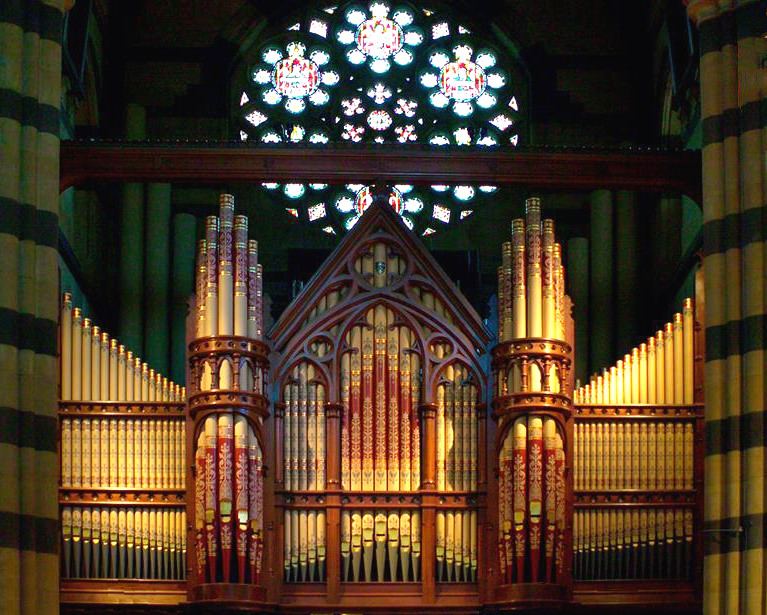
[[279, 446], [481, 409], [333, 412], [428, 412]]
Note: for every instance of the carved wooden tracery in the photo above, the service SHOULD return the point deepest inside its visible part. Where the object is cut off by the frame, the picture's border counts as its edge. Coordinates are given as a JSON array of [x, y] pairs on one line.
[[386, 338]]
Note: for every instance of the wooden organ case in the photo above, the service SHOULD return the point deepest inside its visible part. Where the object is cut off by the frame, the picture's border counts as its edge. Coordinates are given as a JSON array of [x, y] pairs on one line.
[[399, 457], [379, 429]]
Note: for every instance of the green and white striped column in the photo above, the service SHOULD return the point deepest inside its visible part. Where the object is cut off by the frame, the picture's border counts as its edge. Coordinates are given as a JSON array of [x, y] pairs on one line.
[[30, 91], [734, 127]]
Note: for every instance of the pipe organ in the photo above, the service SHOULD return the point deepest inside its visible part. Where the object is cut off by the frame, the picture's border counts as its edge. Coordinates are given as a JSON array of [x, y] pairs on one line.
[[349, 460], [122, 458]]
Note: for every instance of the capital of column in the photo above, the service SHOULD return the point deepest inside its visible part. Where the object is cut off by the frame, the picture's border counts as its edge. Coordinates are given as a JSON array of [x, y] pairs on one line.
[[701, 10], [481, 409], [428, 410], [334, 410]]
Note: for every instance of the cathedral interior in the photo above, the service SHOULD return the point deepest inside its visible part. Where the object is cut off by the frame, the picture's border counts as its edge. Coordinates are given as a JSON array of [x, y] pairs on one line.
[[350, 307]]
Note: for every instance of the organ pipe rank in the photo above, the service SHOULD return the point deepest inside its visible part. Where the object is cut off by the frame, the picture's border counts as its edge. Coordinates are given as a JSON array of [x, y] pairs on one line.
[[104, 448]]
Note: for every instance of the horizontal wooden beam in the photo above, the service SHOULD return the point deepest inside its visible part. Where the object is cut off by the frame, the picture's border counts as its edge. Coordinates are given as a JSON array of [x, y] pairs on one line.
[[87, 162]]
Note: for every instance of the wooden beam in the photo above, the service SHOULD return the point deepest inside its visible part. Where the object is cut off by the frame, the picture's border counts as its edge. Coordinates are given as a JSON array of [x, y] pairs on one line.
[[644, 170]]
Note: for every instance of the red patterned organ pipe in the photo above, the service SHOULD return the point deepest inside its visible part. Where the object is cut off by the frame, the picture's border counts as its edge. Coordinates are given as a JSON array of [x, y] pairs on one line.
[[550, 474], [560, 508], [519, 500], [535, 498]]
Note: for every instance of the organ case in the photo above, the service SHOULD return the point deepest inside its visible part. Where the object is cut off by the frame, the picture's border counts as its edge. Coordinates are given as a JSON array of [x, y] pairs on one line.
[[381, 346], [380, 479]]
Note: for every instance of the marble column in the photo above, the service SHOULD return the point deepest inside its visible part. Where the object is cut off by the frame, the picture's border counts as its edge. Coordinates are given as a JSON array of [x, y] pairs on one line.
[[131, 322], [578, 286], [626, 270], [733, 98], [668, 244], [601, 279], [182, 286], [157, 277]]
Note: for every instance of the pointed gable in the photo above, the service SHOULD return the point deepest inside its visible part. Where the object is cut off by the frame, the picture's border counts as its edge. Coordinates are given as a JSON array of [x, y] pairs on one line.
[[379, 223]]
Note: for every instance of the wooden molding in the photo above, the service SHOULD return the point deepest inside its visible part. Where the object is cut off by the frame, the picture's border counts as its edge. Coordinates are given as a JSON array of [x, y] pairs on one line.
[[555, 168]]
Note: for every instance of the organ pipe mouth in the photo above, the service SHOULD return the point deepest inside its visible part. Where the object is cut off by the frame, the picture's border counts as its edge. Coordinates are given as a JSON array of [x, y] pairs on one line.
[[678, 318]]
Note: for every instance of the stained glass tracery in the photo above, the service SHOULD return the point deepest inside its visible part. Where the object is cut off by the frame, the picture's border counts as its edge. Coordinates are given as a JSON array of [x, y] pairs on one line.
[[379, 72]]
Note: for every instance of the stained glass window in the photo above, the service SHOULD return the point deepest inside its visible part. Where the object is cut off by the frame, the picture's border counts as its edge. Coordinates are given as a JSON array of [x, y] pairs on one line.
[[380, 73]]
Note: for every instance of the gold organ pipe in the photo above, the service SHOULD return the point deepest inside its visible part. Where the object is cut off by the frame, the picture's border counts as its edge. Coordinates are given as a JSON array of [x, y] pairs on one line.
[[668, 360], [549, 320], [519, 304], [688, 354]]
